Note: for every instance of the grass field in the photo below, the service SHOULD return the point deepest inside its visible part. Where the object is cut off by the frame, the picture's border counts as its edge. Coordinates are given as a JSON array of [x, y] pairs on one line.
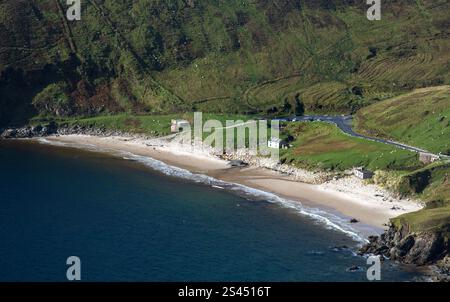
[[420, 118], [160, 57], [428, 220], [430, 184], [153, 125], [323, 146]]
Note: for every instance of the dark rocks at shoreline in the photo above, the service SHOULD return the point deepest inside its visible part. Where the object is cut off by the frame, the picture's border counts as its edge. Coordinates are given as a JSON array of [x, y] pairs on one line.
[[30, 131], [53, 129], [419, 249], [444, 269], [82, 130], [93, 131], [422, 249]]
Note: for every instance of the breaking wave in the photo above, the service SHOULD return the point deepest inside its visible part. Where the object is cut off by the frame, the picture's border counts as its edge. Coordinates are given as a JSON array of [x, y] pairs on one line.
[[327, 219]]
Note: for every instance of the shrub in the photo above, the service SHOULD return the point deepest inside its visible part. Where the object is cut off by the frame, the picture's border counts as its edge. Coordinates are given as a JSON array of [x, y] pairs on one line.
[[54, 99]]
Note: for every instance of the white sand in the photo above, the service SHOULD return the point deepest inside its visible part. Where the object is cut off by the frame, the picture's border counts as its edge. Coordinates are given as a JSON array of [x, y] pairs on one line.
[[350, 196]]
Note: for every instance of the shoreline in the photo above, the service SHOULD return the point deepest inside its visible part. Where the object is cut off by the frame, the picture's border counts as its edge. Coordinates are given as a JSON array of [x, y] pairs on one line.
[[348, 198]]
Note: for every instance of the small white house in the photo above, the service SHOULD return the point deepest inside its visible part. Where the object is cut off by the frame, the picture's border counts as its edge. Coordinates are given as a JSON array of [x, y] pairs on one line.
[[277, 143], [179, 126], [428, 158], [362, 173]]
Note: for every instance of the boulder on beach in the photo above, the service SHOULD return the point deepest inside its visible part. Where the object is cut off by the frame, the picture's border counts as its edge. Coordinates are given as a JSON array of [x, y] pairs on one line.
[[237, 163]]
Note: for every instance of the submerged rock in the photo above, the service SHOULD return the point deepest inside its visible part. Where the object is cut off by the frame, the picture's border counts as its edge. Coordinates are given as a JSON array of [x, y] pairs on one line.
[[355, 269]]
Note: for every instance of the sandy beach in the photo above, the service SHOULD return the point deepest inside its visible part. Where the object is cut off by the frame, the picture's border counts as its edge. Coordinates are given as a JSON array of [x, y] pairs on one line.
[[349, 196]]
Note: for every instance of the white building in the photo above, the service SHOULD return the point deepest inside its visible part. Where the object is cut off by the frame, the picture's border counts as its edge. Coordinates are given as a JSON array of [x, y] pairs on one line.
[[362, 173], [428, 158], [277, 143], [179, 126]]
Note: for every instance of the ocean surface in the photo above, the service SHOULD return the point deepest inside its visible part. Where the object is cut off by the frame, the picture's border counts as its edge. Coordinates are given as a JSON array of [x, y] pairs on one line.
[[130, 218]]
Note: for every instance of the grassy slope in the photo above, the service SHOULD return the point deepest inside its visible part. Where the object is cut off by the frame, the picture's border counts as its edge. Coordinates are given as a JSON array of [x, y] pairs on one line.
[[427, 220], [153, 125], [343, 61], [420, 118], [226, 56], [431, 184], [324, 146]]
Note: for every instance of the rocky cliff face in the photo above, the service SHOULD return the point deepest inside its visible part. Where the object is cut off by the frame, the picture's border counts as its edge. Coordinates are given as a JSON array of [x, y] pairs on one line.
[[402, 245]]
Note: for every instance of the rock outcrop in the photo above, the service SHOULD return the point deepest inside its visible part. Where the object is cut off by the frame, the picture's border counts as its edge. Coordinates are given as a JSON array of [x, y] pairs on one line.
[[30, 131], [53, 129], [402, 245]]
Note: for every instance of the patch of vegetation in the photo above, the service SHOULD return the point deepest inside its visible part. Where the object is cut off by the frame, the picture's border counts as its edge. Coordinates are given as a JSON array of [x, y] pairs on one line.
[[153, 125], [430, 184], [324, 146], [427, 220], [54, 99], [160, 57], [420, 118]]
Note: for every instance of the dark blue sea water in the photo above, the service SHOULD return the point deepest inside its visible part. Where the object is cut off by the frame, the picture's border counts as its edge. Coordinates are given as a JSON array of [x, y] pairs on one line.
[[129, 223]]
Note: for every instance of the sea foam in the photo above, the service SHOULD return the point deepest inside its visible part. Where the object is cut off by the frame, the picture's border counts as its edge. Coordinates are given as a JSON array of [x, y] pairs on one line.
[[327, 219]]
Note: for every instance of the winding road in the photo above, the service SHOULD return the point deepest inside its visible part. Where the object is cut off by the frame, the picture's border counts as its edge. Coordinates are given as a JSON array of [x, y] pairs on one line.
[[344, 123]]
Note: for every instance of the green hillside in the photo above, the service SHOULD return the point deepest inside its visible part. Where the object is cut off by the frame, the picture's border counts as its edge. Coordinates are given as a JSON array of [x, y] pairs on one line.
[[432, 185], [420, 118], [323, 146], [265, 56]]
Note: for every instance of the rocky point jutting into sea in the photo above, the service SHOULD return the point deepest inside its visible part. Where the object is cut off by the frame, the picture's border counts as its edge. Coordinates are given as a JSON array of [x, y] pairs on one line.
[[405, 246]]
